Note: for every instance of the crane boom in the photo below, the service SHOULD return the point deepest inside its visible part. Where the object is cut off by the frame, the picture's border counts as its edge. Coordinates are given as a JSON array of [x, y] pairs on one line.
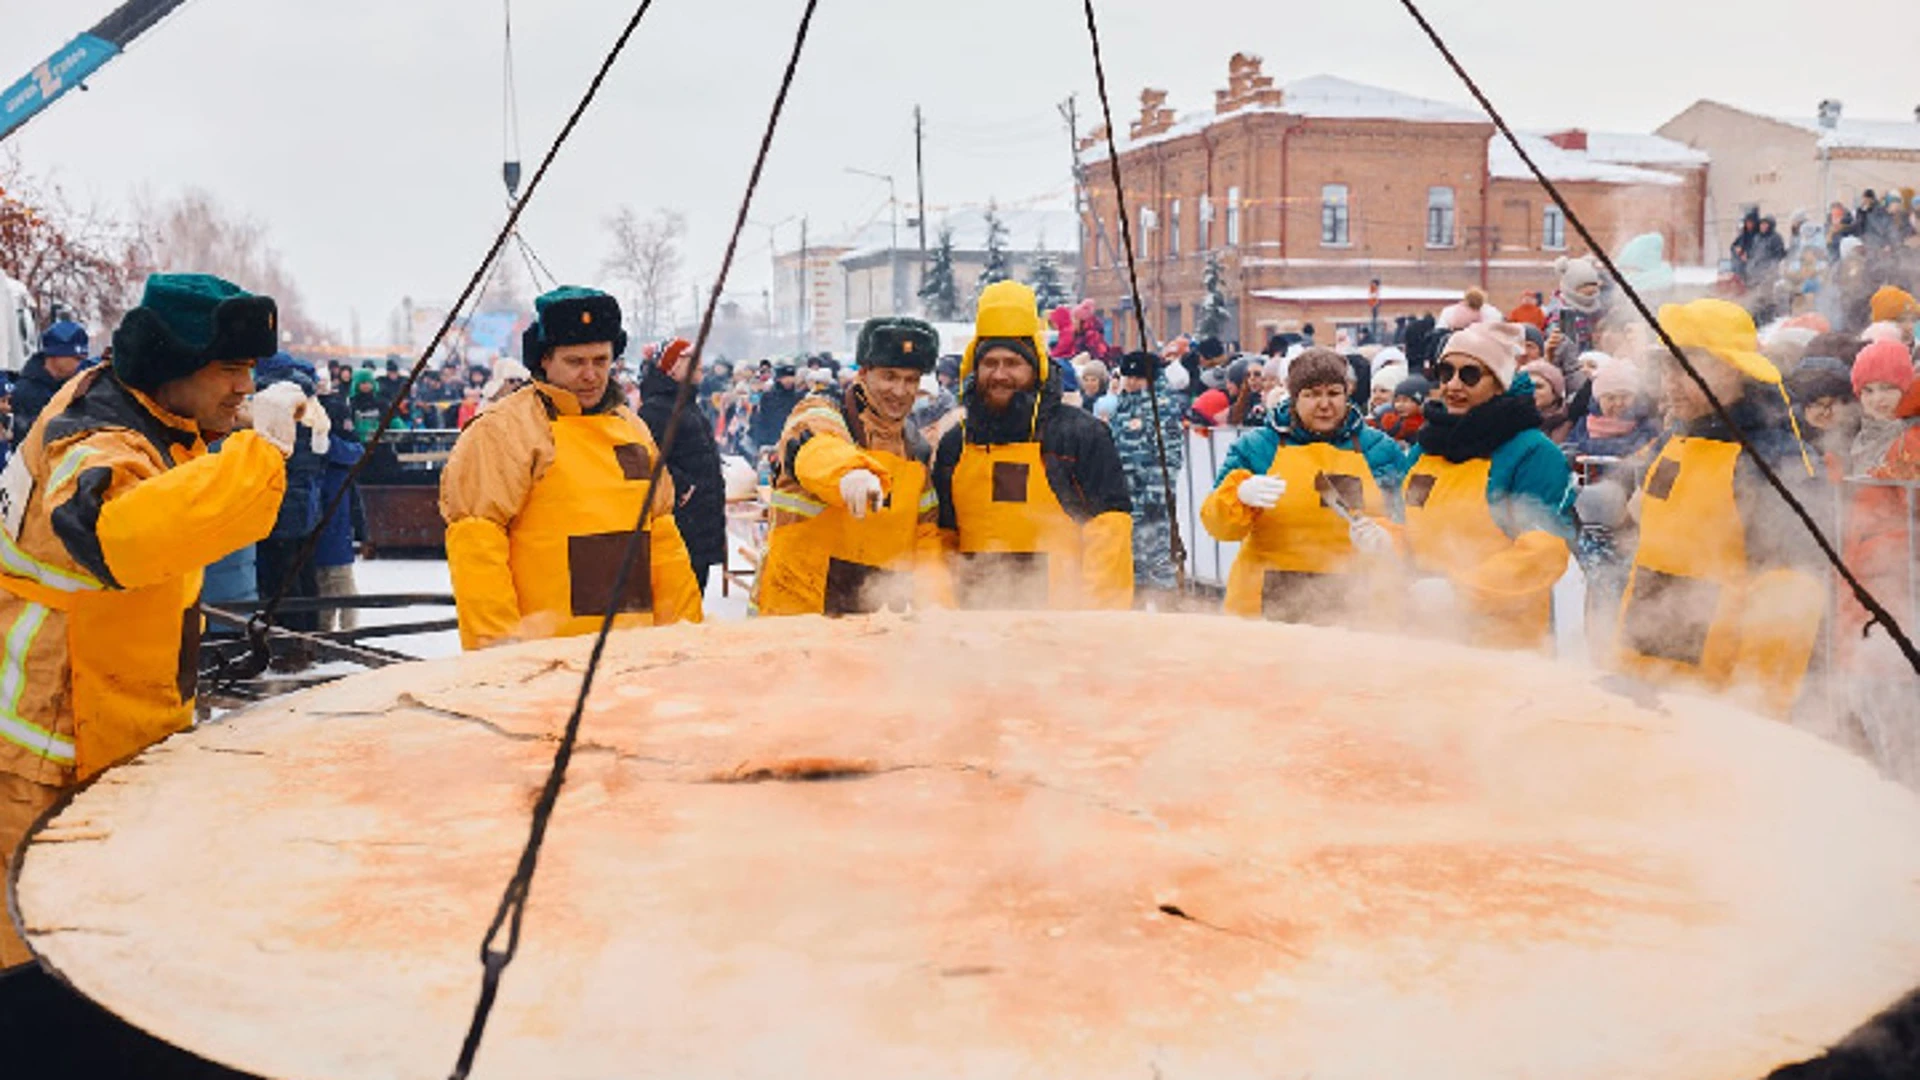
[[78, 59]]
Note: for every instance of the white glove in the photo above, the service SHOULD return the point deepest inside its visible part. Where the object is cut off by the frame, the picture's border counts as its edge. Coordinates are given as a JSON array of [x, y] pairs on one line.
[[1261, 492], [1177, 378], [861, 491], [276, 412], [1370, 537], [317, 422]]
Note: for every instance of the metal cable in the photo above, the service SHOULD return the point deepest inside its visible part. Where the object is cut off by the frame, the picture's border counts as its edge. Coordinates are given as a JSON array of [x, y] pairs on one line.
[[513, 903], [1177, 547], [256, 628], [1879, 614]]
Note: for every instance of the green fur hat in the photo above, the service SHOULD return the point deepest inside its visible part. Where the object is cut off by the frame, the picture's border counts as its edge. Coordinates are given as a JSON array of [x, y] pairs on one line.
[[571, 315], [889, 342], [187, 321]]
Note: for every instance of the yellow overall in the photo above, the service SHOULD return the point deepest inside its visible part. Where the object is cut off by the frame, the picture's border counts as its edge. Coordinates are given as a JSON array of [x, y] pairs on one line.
[[1018, 548], [1694, 612], [1505, 584], [534, 551], [821, 560], [1297, 562]]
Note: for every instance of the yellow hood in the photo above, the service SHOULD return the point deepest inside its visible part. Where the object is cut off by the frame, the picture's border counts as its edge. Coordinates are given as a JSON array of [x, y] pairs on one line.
[[1008, 309]]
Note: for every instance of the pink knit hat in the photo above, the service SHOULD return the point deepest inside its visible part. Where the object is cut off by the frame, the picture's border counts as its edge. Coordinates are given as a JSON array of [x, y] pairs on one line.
[[1496, 345], [1883, 362], [1617, 375]]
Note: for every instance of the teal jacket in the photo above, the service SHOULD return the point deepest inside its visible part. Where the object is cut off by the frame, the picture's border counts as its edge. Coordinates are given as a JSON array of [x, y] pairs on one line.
[[1254, 451], [1529, 485]]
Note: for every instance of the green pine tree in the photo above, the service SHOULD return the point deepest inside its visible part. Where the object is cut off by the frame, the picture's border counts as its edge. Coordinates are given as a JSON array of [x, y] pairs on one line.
[[1048, 290], [1215, 317], [939, 293], [999, 265]]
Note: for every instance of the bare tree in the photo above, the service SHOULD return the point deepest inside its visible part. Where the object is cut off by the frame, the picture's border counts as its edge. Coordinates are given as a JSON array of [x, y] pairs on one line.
[[193, 232], [83, 262], [646, 255]]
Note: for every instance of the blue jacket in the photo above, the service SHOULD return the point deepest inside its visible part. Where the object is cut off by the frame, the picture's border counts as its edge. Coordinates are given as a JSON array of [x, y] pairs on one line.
[[300, 506], [1254, 451], [336, 540]]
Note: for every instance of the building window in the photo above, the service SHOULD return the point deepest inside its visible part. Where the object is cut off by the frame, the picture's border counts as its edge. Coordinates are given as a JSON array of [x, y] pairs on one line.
[[1172, 329], [1439, 217], [1145, 226], [1553, 228], [1333, 216], [1173, 230], [1233, 217], [1206, 223]]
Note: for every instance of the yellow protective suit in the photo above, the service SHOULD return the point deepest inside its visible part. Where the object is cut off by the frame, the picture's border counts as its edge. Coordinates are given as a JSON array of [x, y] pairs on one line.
[[1297, 562], [820, 559], [540, 500], [1503, 583], [1017, 548], [1695, 611], [112, 509]]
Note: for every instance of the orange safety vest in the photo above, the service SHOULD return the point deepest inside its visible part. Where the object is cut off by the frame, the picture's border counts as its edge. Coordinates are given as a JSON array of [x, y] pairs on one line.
[[1451, 531]]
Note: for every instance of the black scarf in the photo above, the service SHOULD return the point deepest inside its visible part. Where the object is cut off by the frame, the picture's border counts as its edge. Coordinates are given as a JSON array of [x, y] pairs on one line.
[[1485, 428]]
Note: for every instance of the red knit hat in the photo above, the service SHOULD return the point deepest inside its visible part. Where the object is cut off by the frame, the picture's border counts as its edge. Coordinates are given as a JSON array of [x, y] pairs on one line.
[[1883, 362]]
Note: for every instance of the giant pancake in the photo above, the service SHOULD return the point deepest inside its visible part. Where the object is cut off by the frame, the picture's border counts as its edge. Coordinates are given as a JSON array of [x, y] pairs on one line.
[[992, 845]]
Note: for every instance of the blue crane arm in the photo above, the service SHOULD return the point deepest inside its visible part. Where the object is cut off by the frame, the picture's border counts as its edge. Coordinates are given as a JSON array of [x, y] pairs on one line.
[[78, 59]]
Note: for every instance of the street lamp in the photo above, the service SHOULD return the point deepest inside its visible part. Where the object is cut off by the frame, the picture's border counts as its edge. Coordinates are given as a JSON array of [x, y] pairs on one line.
[[893, 252]]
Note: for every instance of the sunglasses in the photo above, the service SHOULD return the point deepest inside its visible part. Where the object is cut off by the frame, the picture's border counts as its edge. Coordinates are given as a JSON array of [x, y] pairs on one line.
[[1469, 374]]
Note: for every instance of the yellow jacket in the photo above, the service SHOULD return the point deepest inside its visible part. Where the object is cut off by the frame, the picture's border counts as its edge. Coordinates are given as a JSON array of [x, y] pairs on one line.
[[540, 499], [1723, 593], [820, 559], [112, 508]]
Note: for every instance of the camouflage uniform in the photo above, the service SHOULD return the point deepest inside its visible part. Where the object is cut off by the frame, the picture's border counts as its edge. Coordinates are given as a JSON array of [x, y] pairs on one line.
[[1132, 425]]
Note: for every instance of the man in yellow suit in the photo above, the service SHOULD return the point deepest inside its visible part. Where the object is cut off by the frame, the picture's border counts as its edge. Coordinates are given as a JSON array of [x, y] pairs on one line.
[[543, 491], [1034, 505], [112, 506], [855, 527]]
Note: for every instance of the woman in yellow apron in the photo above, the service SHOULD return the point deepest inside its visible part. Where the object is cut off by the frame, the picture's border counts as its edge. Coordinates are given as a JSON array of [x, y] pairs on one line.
[[855, 527], [1034, 508], [1486, 498], [1304, 496], [544, 489], [1726, 590]]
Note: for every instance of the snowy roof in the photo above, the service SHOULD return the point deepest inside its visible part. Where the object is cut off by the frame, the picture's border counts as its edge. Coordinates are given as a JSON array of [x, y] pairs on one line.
[[1329, 294], [1319, 97], [1567, 165], [1028, 230], [1622, 148], [1862, 134]]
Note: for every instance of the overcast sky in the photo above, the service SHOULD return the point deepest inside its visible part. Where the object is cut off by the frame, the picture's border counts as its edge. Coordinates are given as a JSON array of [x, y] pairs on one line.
[[367, 133]]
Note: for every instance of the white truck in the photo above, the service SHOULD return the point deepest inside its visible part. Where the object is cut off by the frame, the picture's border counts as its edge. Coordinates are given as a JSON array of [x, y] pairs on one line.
[[18, 336]]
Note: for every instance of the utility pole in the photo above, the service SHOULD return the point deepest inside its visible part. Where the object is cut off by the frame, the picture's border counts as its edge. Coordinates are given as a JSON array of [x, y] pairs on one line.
[[1071, 110], [800, 308], [920, 179]]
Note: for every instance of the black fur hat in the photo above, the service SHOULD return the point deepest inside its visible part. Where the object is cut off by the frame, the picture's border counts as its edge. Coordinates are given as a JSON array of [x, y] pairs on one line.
[[187, 321], [571, 315], [897, 343]]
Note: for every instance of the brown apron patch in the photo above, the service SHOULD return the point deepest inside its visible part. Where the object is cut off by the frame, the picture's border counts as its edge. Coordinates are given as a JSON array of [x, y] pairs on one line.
[[1670, 616], [1002, 581], [1419, 487], [593, 565], [1660, 484], [1010, 481], [635, 462]]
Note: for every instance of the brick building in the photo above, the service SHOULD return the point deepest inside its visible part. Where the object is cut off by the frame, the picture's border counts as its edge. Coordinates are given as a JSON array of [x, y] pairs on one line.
[[1309, 192]]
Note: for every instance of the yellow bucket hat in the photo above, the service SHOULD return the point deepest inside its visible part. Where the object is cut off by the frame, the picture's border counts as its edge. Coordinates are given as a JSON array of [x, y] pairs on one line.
[[1724, 330], [1008, 311]]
